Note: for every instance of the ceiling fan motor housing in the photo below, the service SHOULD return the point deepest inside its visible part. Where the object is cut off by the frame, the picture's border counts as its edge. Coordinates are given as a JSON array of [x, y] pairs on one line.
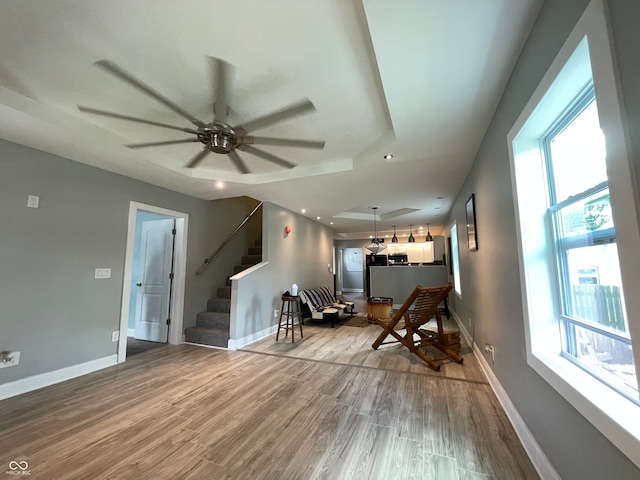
[[219, 138]]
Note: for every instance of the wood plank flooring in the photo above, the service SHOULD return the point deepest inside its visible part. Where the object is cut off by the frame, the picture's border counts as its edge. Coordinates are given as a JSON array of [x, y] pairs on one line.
[[196, 413], [352, 346]]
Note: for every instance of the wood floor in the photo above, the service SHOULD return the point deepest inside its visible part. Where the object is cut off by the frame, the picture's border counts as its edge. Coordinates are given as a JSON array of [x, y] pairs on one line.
[[190, 412], [352, 346]]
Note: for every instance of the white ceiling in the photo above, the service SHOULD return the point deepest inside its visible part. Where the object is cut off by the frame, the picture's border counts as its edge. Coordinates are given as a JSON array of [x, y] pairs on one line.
[[416, 78]]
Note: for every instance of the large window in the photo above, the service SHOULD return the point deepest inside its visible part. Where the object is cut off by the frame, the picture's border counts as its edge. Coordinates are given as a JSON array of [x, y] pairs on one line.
[[576, 207], [594, 329]]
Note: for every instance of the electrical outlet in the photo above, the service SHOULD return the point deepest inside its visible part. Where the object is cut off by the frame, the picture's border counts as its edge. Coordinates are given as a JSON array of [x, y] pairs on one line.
[[33, 201], [276, 313], [115, 336], [9, 359], [103, 273]]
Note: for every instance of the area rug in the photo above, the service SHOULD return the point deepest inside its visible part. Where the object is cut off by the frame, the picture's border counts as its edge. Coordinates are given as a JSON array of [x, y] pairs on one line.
[[357, 320]]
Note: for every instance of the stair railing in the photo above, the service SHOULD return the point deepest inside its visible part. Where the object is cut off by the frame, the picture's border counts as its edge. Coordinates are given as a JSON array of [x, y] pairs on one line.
[[212, 257]]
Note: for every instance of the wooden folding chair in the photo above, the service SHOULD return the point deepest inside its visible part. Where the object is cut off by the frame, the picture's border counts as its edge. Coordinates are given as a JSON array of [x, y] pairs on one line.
[[425, 301]]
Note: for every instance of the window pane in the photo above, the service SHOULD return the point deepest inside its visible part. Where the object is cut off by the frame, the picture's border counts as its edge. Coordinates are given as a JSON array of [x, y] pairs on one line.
[[611, 359], [596, 286], [578, 155], [586, 216]]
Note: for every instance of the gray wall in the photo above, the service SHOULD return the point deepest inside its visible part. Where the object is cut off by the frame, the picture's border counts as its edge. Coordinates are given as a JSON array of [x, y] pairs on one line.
[[300, 257], [52, 310], [492, 310]]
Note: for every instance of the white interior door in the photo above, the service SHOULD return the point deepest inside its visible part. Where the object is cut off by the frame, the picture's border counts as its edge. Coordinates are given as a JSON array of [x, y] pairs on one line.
[[154, 284]]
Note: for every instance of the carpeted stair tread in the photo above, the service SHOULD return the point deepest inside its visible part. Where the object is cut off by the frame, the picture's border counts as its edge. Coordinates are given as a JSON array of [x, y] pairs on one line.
[[212, 326], [219, 305], [213, 320], [251, 259], [224, 292], [214, 337], [239, 268]]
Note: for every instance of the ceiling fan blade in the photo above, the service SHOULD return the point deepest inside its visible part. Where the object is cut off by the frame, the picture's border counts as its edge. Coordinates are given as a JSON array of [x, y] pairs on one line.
[[283, 142], [134, 82], [238, 162], [267, 156], [198, 158], [298, 108], [220, 71], [104, 113], [165, 142]]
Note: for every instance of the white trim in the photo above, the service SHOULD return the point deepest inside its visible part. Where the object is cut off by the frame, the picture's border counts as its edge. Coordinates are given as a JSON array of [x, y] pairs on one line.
[[235, 344], [179, 279], [131, 332], [42, 380], [539, 460]]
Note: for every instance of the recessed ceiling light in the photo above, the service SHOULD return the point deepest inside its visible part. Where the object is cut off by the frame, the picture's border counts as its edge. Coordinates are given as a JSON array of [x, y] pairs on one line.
[[317, 218], [330, 223], [220, 184], [388, 156], [303, 210]]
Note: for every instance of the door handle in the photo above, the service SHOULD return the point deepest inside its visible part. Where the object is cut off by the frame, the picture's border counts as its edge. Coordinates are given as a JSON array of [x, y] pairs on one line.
[[138, 284]]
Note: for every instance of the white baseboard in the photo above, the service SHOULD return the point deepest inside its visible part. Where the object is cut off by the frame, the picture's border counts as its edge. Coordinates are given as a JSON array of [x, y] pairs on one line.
[[41, 380], [235, 344], [532, 447]]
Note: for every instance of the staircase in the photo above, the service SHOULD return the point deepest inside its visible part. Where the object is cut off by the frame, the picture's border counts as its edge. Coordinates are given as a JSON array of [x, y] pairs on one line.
[[212, 326]]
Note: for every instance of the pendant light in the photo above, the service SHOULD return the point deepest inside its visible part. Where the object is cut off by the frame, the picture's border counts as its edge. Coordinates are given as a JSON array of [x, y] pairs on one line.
[[411, 237], [429, 237], [394, 239], [375, 246]]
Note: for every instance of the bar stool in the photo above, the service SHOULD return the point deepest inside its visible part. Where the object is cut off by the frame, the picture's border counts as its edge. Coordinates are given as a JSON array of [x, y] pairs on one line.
[[292, 310]]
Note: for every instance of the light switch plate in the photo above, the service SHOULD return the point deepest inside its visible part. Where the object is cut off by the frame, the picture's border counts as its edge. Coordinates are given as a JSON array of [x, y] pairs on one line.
[[33, 201], [103, 273], [115, 335]]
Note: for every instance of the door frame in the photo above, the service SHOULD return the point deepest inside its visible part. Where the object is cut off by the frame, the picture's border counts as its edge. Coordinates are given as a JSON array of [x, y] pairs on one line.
[[179, 273]]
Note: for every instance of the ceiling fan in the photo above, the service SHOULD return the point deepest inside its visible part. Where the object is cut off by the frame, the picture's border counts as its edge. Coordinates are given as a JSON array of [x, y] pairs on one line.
[[217, 136]]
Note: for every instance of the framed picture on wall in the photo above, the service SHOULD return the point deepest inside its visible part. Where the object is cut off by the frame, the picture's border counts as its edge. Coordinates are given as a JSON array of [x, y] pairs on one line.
[[472, 234]]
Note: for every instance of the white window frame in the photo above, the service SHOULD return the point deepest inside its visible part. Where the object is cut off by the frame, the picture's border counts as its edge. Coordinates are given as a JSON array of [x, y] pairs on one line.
[[455, 259], [586, 56]]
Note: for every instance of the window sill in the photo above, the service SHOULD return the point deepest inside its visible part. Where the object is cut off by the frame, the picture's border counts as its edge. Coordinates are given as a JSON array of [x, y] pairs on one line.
[[612, 414]]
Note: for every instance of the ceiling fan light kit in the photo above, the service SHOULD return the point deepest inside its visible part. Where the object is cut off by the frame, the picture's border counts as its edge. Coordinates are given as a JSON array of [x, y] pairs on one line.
[[217, 136]]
